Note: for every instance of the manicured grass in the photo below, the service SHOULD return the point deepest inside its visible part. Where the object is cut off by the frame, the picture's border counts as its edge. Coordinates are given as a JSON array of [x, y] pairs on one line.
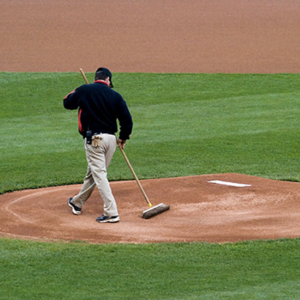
[[184, 124], [248, 270]]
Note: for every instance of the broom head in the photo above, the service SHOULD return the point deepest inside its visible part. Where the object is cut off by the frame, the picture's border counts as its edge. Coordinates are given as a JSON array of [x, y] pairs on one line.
[[155, 210]]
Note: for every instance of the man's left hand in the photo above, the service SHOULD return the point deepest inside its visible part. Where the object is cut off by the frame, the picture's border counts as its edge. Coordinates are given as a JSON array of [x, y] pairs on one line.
[[121, 143]]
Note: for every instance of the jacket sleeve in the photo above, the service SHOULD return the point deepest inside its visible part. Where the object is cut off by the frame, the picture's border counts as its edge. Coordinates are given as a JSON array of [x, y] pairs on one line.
[[71, 101], [125, 121]]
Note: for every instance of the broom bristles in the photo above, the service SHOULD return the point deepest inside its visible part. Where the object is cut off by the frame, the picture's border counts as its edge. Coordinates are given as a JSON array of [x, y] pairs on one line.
[[155, 210]]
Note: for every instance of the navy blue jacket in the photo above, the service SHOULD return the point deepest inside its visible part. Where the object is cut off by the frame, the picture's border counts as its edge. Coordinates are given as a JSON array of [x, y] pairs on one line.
[[99, 108]]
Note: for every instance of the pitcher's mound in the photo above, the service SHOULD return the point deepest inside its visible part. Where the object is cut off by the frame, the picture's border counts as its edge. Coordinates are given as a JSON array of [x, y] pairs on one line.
[[212, 208]]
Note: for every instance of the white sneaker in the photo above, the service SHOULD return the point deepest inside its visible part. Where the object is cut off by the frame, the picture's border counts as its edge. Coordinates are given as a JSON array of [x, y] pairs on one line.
[[75, 210], [107, 219]]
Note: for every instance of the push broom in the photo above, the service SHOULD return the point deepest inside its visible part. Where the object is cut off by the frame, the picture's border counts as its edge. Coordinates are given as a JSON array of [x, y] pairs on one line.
[[152, 210]]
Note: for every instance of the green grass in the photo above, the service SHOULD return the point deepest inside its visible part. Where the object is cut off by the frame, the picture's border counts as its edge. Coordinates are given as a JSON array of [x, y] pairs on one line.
[[269, 270], [184, 124]]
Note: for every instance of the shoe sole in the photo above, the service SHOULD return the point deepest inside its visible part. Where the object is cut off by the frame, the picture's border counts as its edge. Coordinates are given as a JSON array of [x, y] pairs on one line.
[[75, 212], [115, 220]]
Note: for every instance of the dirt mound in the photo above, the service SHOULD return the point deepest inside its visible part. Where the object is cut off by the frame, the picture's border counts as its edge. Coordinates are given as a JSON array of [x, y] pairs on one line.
[[234, 208]]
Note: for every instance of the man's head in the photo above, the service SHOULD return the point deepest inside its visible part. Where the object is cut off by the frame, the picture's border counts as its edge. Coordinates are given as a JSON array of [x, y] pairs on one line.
[[102, 74]]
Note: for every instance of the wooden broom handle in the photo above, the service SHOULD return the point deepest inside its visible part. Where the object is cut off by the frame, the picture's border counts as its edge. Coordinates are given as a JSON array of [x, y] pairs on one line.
[[137, 180], [83, 75]]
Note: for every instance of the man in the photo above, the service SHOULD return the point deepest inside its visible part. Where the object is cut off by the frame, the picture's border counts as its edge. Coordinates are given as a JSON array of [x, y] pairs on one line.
[[99, 108]]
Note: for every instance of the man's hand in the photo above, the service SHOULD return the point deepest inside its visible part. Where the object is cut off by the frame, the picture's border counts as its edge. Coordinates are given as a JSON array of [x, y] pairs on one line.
[[121, 143]]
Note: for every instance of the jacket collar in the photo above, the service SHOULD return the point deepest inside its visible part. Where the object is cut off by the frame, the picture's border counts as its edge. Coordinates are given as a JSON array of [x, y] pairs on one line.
[[101, 81]]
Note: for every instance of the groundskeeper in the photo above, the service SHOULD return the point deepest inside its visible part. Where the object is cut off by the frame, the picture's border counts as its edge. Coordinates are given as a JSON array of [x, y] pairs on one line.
[[99, 109]]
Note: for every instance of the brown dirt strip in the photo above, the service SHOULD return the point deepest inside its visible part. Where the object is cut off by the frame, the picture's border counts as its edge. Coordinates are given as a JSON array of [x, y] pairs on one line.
[[201, 36]]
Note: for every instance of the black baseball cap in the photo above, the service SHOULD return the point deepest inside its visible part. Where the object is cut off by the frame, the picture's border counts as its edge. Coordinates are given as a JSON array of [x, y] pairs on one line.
[[106, 72]]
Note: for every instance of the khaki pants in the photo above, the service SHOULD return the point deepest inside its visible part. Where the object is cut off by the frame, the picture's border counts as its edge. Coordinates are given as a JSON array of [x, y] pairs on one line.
[[98, 159]]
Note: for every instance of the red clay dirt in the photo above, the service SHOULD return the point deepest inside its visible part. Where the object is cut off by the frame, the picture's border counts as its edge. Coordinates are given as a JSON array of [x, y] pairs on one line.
[[156, 36], [195, 36]]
